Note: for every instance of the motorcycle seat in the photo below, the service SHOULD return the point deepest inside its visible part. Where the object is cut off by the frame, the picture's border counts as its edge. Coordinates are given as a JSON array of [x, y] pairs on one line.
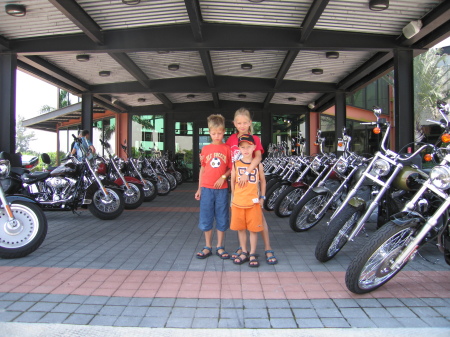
[[34, 176]]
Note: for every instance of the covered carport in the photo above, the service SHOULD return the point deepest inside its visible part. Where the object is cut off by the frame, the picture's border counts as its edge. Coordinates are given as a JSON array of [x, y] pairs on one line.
[[187, 59]]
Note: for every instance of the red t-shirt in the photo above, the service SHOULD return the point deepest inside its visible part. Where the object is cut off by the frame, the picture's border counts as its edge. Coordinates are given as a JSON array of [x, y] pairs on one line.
[[232, 141], [216, 160]]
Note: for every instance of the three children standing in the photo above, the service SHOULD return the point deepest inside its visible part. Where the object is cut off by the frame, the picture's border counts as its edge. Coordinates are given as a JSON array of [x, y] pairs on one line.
[[247, 186]]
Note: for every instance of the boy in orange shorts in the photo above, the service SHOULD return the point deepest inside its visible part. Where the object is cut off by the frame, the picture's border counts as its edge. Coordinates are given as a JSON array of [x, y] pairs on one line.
[[247, 201]]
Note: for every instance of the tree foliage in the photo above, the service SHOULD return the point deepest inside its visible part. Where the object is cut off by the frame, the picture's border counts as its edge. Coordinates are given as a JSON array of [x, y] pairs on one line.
[[23, 136]]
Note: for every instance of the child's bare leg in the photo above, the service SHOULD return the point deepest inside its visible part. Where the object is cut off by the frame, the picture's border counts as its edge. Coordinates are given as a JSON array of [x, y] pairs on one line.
[[265, 236], [208, 240], [253, 243], [242, 234], [220, 238]]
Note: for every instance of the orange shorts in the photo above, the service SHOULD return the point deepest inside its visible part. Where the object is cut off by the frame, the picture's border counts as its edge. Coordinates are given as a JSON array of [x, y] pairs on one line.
[[247, 218]]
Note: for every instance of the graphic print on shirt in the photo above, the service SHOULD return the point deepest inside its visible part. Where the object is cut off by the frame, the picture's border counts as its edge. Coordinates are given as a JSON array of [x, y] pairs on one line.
[[215, 162], [235, 153]]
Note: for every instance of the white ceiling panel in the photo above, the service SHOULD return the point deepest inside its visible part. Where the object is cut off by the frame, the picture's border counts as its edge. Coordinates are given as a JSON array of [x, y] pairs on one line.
[[300, 99], [132, 99]]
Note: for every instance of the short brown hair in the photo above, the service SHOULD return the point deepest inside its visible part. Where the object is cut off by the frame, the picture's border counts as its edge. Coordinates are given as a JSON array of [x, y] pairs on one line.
[[216, 121]]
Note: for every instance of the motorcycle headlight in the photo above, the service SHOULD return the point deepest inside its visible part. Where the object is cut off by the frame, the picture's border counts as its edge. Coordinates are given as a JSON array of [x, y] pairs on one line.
[[440, 177], [5, 167], [380, 168], [341, 166], [315, 165]]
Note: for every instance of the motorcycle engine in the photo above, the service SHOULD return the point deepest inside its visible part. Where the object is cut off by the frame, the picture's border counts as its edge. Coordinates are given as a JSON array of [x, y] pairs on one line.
[[60, 186]]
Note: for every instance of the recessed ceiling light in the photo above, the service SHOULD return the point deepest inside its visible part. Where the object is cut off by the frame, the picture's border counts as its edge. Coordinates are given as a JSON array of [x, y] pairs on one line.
[[317, 71], [292, 99], [162, 51], [131, 2], [332, 55], [255, 1], [248, 51], [104, 73], [15, 10], [173, 66], [190, 96], [141, 99], [242, 95], [83, 58], [378, 5], [246, 66]]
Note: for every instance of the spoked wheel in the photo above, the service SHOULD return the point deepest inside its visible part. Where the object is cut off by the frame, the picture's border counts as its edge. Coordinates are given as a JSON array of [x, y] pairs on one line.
[[25, 233], [303, 217], [107, 208], [134, 197], [178, 177], [287, 201], [272, 196], [150, 191], [162, 185], [172, 181], [371, 268], [337, 232]]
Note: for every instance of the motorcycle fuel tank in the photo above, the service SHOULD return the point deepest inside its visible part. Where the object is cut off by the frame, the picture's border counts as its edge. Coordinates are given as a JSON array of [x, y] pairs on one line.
[[409, 179]]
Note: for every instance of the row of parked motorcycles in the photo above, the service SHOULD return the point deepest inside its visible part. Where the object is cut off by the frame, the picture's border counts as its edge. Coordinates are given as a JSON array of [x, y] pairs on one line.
[[409, 205], [104, 185]]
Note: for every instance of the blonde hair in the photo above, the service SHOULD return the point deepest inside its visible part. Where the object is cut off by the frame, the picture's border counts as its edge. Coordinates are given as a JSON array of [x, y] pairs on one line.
[[216, 121], [245, 113]]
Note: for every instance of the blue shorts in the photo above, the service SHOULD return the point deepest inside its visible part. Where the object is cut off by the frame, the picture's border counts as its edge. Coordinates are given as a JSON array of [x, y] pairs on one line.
[[214, 204]]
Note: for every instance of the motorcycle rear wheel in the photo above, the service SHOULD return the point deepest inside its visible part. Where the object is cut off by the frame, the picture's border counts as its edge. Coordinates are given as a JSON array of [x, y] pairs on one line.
[[29, 233], [303, 215], [370, 269], [287, 201], [134, 198], [107, 210], [336, 234], [150, 192]]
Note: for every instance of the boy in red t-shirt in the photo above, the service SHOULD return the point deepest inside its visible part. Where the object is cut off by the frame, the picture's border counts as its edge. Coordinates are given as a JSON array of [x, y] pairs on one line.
[[213, 188]]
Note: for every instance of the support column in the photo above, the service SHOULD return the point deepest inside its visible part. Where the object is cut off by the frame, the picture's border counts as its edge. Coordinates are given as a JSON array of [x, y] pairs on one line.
[[312, 122], [404, 98], [196, 152], [266, 129], [87, 112], [169, 133], [8, 66], [339, 117]]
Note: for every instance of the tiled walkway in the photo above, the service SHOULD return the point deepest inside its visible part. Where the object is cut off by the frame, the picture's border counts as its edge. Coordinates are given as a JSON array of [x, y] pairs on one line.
[[140, 270]]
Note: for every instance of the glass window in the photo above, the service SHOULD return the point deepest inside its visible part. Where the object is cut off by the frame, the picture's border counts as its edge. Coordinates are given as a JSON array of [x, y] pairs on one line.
[[286, 130], [148, 132]]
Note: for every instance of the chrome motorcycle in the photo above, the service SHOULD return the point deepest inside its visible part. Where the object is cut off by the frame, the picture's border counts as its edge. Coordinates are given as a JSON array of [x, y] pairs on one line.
[[424, 219]]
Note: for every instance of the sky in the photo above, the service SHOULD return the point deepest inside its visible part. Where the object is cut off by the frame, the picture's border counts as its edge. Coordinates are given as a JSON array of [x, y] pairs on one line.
[[32, 94]]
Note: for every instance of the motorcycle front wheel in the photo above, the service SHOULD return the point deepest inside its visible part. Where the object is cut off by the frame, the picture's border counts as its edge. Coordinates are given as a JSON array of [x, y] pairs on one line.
[[134, 197], [178, 177], [287, 201], [272, 195], [107, 209], [172, 181], [336, 233], [303, 216], [25, 234], [162, 185], [371, 267], [150, 191]]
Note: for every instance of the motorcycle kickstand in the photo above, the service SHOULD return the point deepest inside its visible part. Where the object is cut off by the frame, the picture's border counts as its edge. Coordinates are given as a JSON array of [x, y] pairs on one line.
[[76, 212]]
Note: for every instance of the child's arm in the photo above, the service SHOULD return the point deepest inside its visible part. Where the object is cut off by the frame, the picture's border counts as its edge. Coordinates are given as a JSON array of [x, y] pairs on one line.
[[232, 181], [198, 193], [262, 181], [218, 184], [255, 162]]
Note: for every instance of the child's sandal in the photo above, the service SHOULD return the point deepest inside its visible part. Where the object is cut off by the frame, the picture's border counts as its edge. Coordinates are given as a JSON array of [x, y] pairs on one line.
[[236, 253], [271, 259], [254, 263], [240, 259], [224, 255], [203, 255]]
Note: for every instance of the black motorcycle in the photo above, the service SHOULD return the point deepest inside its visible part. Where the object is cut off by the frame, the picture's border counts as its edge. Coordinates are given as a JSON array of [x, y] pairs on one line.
[[23, 225], [71, 185]]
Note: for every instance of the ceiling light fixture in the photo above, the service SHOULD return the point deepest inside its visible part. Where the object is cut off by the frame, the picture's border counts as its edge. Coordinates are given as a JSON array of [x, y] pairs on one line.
[[412, 28], [162, 51], [246, 66], [15, 10], [131, 2], [378, 5], [332, 55], [173, 66], [312, 105], [141, 100], [83, 58], [190, 96], [242, 96], [248, 51], [255, 1], [292, 99], [114, 101], [317, 71], [104, 73]]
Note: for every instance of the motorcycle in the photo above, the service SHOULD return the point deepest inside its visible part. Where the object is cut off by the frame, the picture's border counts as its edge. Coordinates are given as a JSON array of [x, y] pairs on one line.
[[71, 185], [384, 185], [133, 192], [146, 167], [328, 190], [423, 219], [23, 225]]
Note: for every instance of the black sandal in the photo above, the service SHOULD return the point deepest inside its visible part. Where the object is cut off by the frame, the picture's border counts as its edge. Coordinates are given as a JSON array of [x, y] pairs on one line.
[[203, 255], [224, 255], [236, 253], [241, 260], [254, 263]]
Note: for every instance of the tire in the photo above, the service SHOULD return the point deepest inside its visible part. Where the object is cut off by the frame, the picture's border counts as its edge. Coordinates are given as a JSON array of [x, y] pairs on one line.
[[272, 181], [287, 201], [334, 237], [178, 177], [369, 269], [107, 210], [134, 199], [272, 196], [150, 192], [24, 239], [162, 185], [303, 215], [172, 181]]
